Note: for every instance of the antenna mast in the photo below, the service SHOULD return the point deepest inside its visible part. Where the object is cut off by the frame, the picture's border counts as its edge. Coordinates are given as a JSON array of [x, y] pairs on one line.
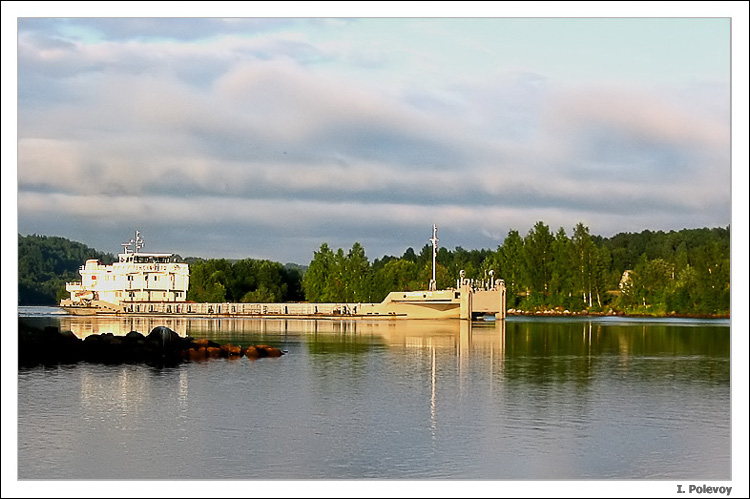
[[138, 241], [434, 241]]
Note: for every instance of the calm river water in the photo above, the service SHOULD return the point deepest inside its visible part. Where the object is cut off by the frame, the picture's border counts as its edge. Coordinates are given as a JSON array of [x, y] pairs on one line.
[[521, 399]]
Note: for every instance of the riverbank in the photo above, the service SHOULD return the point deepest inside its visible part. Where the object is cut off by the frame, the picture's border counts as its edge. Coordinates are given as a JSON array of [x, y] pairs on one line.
[[555, 312], [558, 312]]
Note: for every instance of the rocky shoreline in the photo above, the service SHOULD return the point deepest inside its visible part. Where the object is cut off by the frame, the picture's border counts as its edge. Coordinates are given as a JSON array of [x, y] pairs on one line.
[[162, 346]]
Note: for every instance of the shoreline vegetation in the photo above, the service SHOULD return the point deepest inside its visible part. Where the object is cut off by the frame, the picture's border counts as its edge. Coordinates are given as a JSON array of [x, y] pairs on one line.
[[610, 313], [682, 273]]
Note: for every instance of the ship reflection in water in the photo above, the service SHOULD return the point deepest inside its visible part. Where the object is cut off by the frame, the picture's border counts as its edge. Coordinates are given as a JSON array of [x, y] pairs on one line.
[[120, 326], [458, 335]]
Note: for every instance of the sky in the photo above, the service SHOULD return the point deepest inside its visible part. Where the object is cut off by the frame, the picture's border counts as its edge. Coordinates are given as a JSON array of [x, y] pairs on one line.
[[264, 137]]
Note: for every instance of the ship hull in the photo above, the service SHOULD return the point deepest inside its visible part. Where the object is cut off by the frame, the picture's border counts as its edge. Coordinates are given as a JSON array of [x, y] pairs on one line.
[[443, 304]]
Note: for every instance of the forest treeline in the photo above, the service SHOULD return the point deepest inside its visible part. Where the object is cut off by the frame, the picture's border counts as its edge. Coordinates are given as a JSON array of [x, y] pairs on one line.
[[244, 281], [684, 272], [651, 273]]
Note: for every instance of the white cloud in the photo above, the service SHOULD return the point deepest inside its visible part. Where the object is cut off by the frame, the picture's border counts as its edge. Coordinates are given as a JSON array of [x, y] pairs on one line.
[[284, 128]]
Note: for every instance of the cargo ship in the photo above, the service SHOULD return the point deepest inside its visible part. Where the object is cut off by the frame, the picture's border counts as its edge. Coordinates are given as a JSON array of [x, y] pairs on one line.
[[142, 283]]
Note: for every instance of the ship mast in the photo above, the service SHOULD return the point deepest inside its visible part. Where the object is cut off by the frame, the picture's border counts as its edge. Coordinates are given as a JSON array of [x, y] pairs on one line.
[[137, 243], [434, 241]]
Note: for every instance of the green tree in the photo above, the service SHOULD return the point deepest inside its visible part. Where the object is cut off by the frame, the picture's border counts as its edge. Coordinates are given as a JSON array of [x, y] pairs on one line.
[[561, 280], [208, 281], [538, 256], [261, 294], [271, 286], [315, 280], [243, 279], [396, 275], [652, 280], [584, 261], [512, 266], [409, 255], [602, 278], [357, 275]]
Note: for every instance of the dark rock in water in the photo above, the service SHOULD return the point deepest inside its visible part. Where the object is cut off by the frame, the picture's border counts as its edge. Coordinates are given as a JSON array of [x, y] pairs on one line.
[[137, 347], [195, 354], [268, 351], [68, 346], [230, 351], [213, 352], [203, 343], [105, 347], [260, 351], [134, 336], [162, 347], [164, 338], [165, 346], [47, 346]]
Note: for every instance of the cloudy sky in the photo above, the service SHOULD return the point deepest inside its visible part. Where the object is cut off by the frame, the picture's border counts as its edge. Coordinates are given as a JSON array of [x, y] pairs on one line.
[[264, 137]]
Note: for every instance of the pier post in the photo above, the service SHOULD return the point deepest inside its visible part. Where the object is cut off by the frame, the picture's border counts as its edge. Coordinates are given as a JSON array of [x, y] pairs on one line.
[[467, 302]]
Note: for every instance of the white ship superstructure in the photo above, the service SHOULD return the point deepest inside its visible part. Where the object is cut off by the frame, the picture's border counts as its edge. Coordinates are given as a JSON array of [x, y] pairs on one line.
[[137, 277]]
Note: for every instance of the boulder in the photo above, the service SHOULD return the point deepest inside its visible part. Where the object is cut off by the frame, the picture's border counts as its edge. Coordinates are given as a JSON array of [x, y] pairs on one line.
[[196, 354], [203, 343], [104, 347], [213, 352], [230, 350], [164, 339]]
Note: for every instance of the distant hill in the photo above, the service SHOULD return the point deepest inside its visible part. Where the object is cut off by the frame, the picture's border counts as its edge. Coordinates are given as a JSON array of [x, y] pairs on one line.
[[295, 266], [46, 263]]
